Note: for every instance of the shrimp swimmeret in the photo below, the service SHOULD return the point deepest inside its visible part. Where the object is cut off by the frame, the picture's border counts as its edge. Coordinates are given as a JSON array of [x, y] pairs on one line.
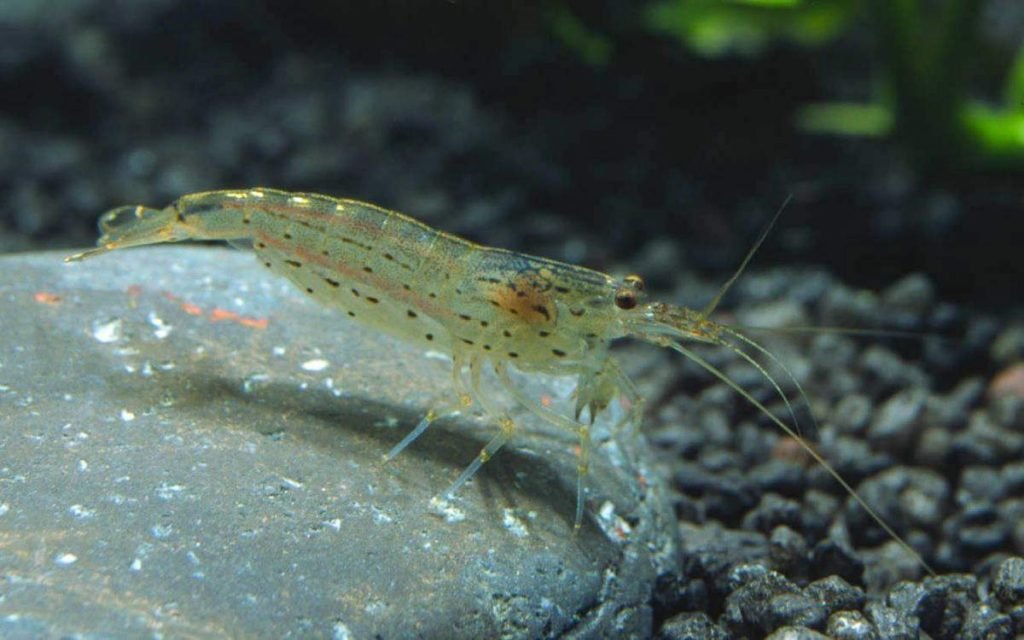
[[484, 306]]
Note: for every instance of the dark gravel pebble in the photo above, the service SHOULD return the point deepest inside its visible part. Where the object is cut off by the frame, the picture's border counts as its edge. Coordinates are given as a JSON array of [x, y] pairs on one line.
[[832, 557], [912, 295], [713, 553], [789, 551], [1009, 345], [985, 623], [941, 604], [852, 414], [951, 410], [1008, 585], [893, 623], [905, 498], [795, 609], [691, 626], [773, 511], [750, 609], [795, 633], [985, 442], [781, 477], [898, 421], [851, 625], [886, 372], [836, 594]]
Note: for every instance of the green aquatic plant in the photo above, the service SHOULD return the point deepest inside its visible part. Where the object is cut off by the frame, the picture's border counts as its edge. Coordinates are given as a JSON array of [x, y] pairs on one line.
[[746, 27], [927, 51]]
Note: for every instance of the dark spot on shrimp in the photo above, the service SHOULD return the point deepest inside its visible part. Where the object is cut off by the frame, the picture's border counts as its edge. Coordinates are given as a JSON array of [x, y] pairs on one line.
[[513, 354], [543, 334], [351, 314], [309, 289], [429, 336], [388, 256], [372, 300], [333, 283], [266, 263], [411, 313], [561, 289], [506, 333], [487, 347], [367, 269], [484, 323], [293, 263], [468, 341], [261, 245], [558, 352], [465, 317], [577, 312], [287, 236], [543, 310], [355, 292]]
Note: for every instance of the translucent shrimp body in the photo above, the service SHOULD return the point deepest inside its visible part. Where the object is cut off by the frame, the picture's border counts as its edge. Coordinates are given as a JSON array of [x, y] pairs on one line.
[[484, 306]]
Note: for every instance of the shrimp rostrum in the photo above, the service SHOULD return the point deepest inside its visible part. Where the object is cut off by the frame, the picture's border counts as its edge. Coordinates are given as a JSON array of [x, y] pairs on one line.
[[486, 307]]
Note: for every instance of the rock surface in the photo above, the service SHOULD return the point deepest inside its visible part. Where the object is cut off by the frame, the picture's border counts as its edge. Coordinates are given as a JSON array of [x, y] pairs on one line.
[[188, 446]]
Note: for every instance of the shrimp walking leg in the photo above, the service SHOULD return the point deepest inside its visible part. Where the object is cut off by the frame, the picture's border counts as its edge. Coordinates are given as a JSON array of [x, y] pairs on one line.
[[506, 424], [447, 410], [582, 431]]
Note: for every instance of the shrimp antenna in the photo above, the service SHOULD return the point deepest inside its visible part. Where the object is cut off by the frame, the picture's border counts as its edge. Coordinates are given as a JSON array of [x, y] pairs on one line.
[[708, 310]]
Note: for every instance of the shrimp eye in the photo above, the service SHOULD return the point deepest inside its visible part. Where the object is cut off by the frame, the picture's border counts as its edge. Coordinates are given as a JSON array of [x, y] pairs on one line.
[[634, 281], [625, 298]]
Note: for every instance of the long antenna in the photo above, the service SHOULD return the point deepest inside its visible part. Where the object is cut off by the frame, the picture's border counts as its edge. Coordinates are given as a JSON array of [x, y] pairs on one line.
[[708, 310]]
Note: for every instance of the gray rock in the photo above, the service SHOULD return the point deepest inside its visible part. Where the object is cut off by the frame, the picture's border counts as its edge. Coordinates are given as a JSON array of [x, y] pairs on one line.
[[192, 448]]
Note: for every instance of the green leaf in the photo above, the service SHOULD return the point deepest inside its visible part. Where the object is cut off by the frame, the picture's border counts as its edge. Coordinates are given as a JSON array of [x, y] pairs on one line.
[[845, 119], [593, 48]]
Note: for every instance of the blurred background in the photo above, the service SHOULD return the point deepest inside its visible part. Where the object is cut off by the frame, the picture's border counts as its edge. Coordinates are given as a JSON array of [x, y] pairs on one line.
[[653, 136]]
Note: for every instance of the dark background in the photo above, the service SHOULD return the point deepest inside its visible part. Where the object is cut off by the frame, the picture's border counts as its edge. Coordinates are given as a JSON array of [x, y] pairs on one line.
[[479, 118]]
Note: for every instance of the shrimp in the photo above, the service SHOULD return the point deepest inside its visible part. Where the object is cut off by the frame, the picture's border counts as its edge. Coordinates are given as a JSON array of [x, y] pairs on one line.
[[484, 306]]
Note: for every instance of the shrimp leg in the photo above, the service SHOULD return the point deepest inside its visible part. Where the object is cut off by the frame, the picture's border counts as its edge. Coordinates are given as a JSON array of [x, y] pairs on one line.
[[506, 424], [557, 419], [447, 410]]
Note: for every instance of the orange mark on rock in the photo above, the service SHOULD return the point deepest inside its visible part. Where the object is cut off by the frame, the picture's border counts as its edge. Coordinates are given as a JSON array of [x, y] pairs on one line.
[[545, 401], [254, 323], [217, 314], [45, 297], [1008, 383]]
